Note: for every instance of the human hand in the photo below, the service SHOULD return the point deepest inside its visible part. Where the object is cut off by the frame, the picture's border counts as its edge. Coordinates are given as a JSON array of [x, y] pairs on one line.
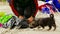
[[21, 17], [30, 19]]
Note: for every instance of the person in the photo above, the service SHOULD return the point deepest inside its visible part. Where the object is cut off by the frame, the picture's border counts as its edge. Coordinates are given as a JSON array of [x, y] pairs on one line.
[[24, 8], [56, 3]]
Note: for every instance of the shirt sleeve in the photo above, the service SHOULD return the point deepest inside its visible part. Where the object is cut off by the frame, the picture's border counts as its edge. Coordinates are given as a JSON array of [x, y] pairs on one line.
[[13, 8]]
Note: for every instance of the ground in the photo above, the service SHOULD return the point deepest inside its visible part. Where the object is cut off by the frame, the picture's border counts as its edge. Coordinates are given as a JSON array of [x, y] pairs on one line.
[[8, 10]]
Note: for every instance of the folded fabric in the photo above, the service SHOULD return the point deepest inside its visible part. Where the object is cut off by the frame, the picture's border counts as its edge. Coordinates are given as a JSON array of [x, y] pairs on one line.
[[5, 18], [1, 25], [2, 13], [47, 8], [15, 21]]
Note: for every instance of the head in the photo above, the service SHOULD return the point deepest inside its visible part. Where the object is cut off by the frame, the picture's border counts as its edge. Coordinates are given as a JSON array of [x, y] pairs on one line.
[[33, 24]]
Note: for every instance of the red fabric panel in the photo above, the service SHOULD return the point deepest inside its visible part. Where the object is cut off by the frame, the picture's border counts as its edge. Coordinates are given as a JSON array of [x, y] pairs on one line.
[[13, 9], [40, 7], [36, 2]]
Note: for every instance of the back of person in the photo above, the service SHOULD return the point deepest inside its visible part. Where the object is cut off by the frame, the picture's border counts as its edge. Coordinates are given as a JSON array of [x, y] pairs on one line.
[[16, 5]]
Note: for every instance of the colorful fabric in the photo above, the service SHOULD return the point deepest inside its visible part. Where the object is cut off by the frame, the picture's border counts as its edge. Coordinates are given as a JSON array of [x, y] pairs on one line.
[[47, 0], [56, 3], [47, 8], [5, 18], [1, 25], [2, 13]]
